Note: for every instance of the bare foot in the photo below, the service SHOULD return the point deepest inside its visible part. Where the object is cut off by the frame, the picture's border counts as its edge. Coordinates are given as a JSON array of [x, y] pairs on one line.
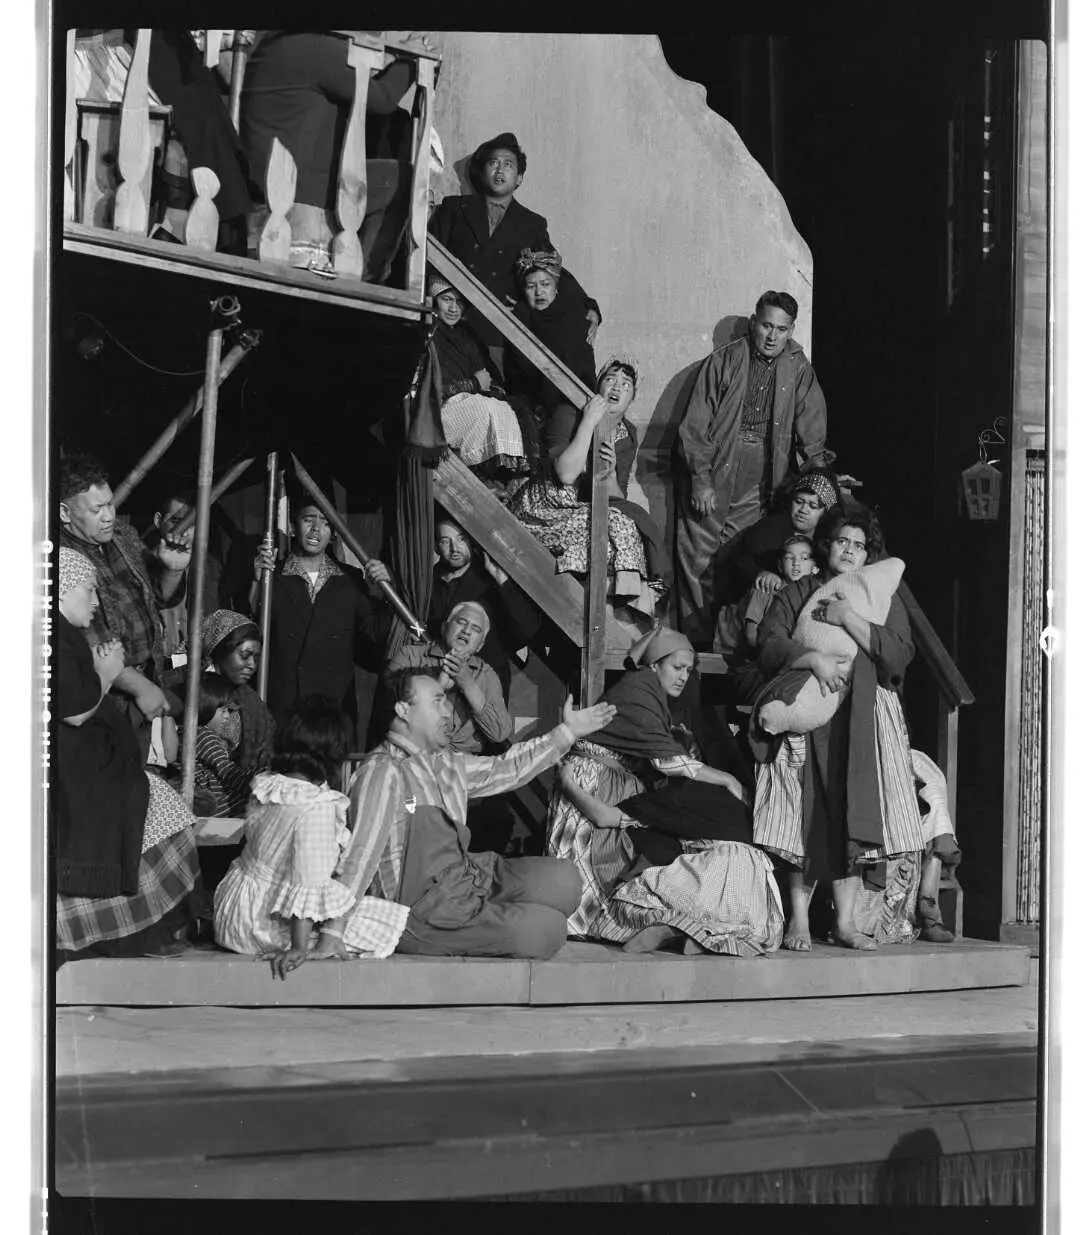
[[848, 937], [651, 939], [797, 941]]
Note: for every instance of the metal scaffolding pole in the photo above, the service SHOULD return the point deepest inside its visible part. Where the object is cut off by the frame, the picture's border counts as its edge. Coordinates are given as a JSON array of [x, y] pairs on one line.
[[221, 309], [246, 343], [266, 581], [177, 524]]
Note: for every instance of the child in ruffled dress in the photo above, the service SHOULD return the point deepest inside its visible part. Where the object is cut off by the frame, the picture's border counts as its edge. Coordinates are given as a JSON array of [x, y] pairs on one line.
[[280, 890]]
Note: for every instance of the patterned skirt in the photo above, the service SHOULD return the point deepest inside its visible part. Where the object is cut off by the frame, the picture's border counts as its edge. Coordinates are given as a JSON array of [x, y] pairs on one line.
[[481, 429], [720, 893], [167, 873]]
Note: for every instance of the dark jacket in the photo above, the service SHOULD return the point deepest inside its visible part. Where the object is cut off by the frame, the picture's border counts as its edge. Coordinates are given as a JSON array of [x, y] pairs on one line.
[[461, 224], [561, 327], [709, 431], [314, 647], [514, 618]]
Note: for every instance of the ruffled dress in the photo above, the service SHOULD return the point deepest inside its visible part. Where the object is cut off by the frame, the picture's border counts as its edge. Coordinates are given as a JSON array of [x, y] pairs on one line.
[[295, 833]]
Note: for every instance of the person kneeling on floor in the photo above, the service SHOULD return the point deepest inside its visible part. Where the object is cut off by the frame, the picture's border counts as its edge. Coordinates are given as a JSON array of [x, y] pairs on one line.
[[410, 841]]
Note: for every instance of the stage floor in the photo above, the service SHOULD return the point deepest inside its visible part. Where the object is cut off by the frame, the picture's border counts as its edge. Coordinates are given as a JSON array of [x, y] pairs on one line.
[[581, 974]]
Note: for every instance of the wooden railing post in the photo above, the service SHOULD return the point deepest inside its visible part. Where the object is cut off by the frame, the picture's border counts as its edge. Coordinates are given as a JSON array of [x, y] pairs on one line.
[[424, 106], [201, 230], [266, 581], [131, 211], [947, 746], [352, 176], [594, 644], [280, 194]]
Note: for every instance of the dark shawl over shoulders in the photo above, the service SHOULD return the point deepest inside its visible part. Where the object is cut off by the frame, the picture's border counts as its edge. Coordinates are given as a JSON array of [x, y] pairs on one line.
[[642, 727], [101, 789]]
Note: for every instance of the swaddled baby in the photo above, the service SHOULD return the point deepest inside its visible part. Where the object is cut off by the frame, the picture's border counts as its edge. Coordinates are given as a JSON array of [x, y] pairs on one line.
[[869, 591]]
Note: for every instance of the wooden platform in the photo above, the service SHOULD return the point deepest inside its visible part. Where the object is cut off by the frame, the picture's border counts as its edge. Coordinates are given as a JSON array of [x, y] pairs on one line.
[[582, 973]]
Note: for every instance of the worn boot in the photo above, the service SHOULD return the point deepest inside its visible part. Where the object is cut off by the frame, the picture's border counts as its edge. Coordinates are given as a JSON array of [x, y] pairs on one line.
[[931, 926]]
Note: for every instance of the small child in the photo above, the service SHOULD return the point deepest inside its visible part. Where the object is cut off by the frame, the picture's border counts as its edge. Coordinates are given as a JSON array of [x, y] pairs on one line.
[[737, 624], [281, 888], [221, 785]]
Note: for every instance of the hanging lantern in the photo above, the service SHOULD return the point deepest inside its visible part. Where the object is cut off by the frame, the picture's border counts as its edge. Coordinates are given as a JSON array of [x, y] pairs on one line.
[[982, 490]]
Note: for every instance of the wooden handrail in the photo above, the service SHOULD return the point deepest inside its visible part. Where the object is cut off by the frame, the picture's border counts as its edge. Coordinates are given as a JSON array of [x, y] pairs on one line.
[[950, 681]]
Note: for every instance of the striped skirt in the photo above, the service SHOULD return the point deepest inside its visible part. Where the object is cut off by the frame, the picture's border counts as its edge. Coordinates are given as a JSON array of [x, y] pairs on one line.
[[480, 427], [778, 813]]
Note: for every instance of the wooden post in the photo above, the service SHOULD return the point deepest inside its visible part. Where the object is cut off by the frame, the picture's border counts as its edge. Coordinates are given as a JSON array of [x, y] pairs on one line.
[[201, 231], [191, 409], [948, 732], [418, 209], [352, 176], [198, 561], [70, 125], [266, 582], [342, 528], [131, 212], [212, 48], [593, 649], [280, 195]]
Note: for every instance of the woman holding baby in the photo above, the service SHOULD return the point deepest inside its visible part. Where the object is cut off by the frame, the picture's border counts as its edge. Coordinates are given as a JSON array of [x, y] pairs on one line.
[[838, 803]]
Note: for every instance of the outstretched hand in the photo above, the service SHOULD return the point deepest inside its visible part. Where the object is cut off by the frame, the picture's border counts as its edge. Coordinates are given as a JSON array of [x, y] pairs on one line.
[[583, 721]]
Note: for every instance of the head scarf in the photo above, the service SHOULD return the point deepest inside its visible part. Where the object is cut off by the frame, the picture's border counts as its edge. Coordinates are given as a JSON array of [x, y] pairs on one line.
[[74, 568], [620, 360], [437, 285], [819, 483], [538, 259], [658, 643], [217, 626]]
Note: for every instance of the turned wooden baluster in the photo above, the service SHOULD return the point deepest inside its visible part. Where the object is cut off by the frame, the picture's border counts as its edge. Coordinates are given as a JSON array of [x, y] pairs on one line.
[[212, 48], [70, 119], [131, 212], [201, 231], [280, 194], [418, 209], [352, 178]]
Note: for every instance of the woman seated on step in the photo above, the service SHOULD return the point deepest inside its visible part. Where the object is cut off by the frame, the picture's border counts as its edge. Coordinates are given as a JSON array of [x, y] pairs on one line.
[[663, 843], [231, 647], [838, 804], [125, 852], [555, 505], [492, 437]]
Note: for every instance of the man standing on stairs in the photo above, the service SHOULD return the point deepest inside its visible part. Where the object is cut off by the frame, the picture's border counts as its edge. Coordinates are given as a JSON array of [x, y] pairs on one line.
[[457, 578], [488, 229], [410, 840], [755, 402]]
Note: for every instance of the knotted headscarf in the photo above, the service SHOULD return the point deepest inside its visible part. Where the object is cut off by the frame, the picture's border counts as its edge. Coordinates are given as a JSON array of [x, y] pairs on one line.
[[437, 285], [217, 626], [538, 259], [661, 641], [74, 568], [819, 482], [619, 360]]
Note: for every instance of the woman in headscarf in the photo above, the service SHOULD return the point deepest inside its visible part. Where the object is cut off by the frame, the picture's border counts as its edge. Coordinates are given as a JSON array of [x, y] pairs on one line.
[[839, 802], [799, 509], [124, 850], [555, 506], [662, 841], [231, 646], [480, 424], [555, 313]]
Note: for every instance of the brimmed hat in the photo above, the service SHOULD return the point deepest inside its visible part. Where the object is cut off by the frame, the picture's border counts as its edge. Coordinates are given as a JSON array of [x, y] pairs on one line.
[[504, 141]]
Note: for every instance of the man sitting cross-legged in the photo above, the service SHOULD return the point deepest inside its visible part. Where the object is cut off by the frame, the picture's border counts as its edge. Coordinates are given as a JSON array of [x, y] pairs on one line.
[[410, 840]]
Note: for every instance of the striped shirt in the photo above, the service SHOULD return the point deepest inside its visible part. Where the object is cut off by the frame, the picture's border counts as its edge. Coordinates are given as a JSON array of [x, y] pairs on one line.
[[398, 776], [757, 403]]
